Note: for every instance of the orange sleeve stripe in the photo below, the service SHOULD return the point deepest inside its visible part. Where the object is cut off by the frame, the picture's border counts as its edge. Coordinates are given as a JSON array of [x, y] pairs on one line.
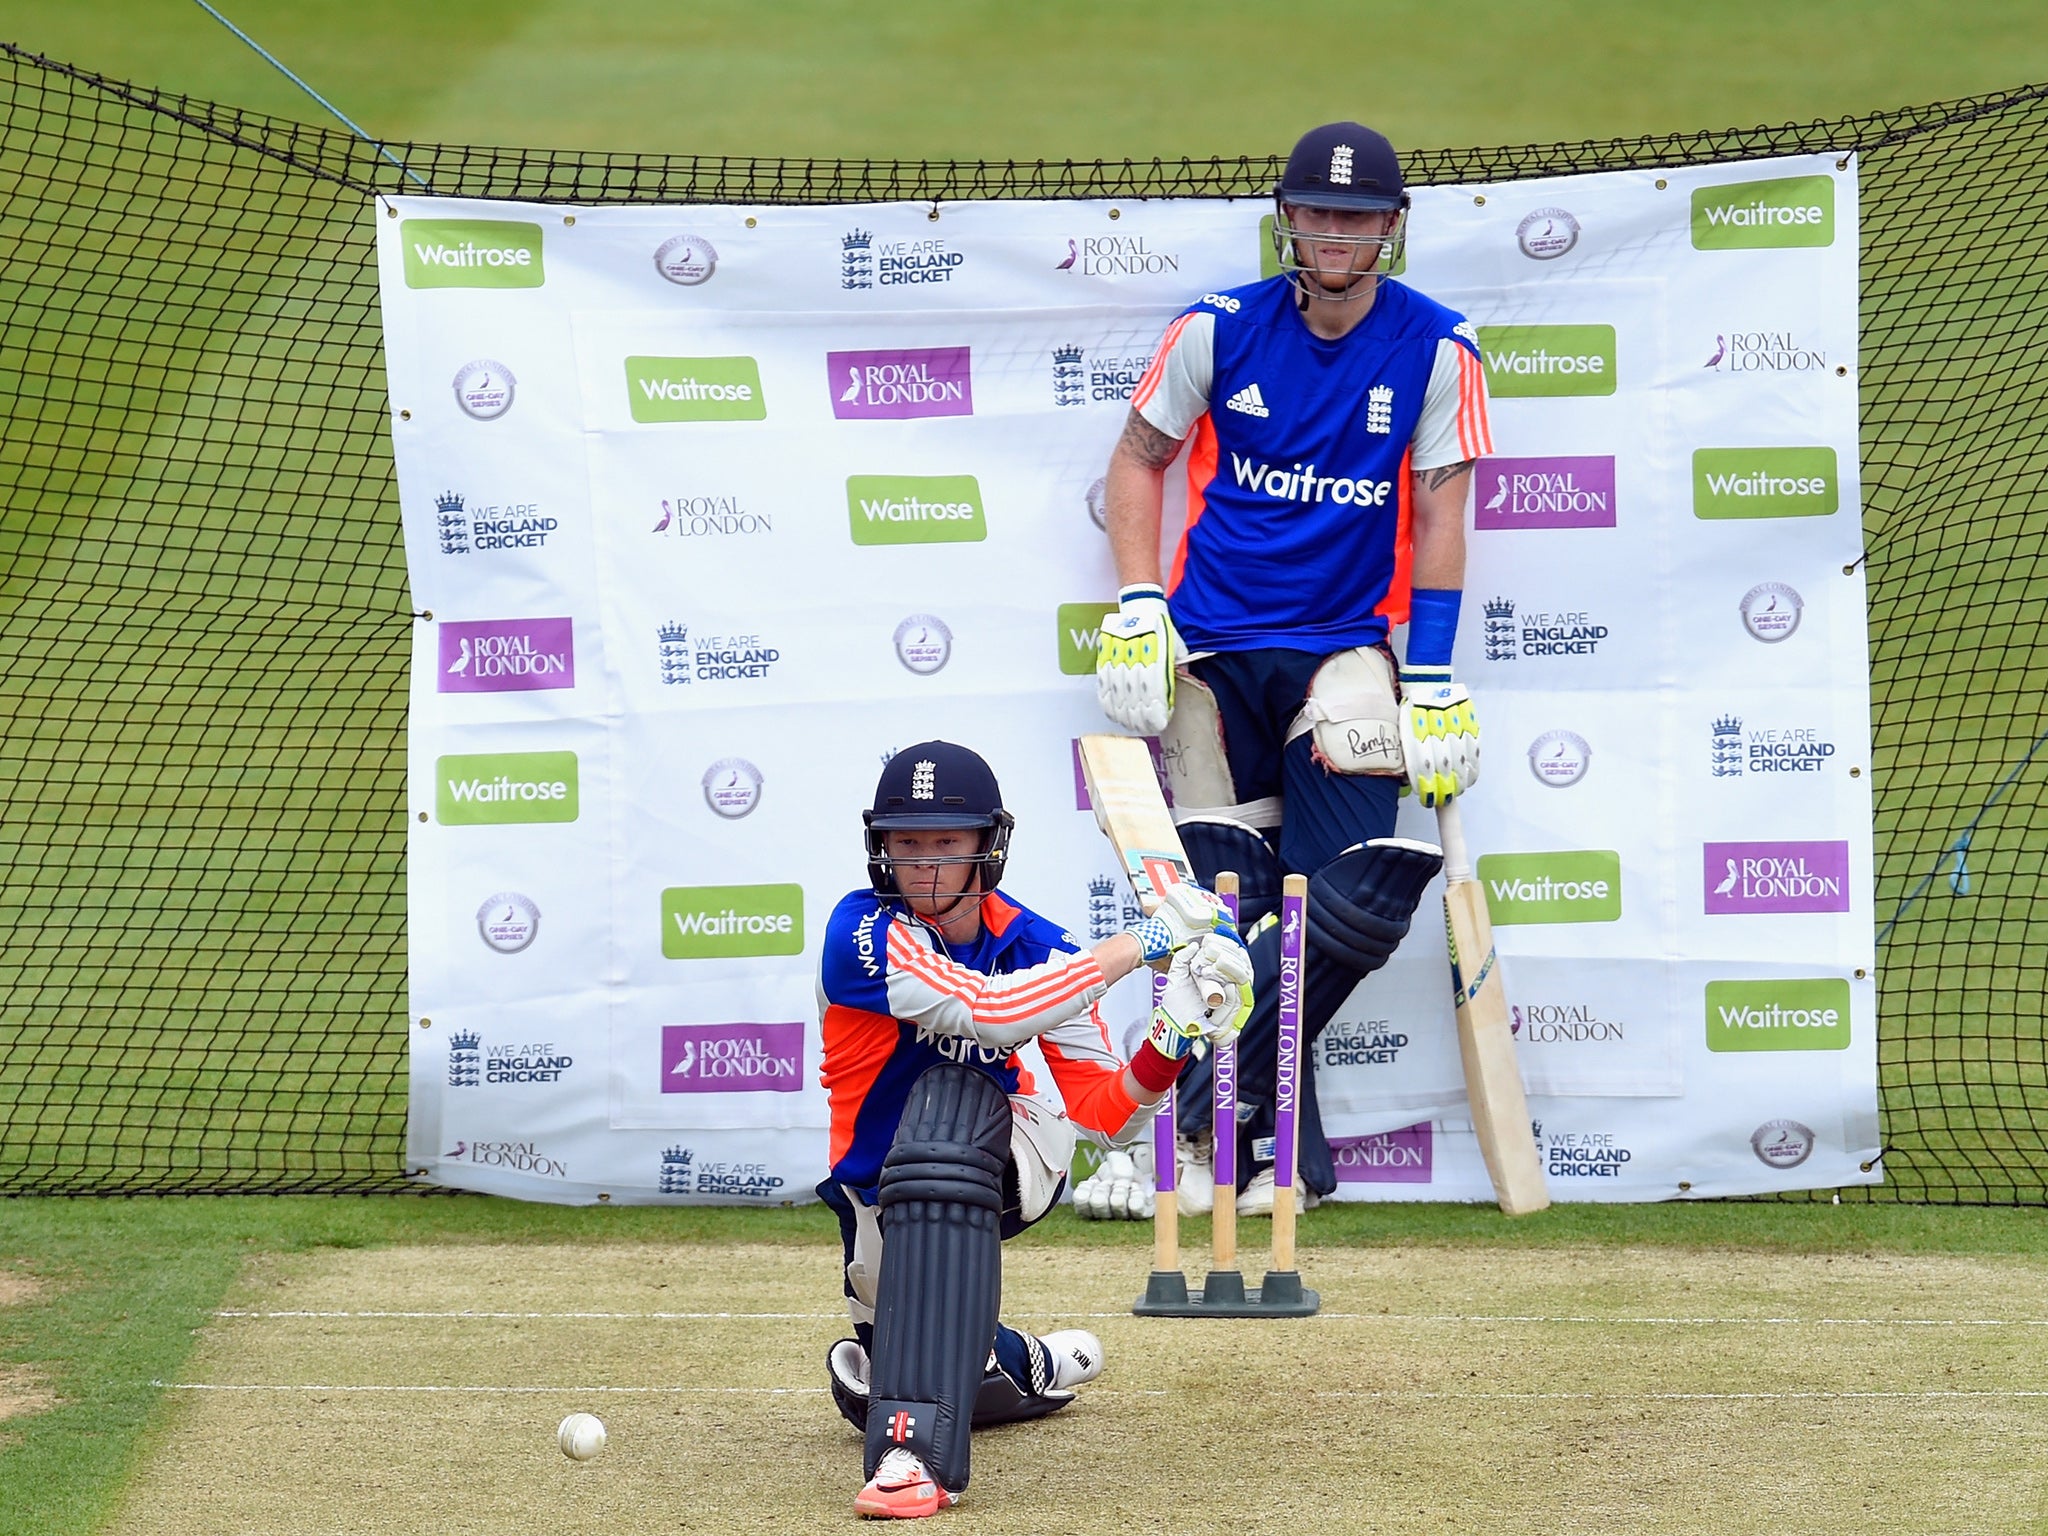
[[1475, 433], [969, 986], [1201, 470], [1149, 384]]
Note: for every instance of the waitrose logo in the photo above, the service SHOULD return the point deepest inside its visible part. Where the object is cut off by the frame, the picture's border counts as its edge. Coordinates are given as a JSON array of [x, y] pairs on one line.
[[1080, 628], [1764, 482], [1758, 215], [471, 253], [722, 922], [664, 389], [915, 509], [1796, 1015], [1526, 361], [1571, 887], [496, 788]]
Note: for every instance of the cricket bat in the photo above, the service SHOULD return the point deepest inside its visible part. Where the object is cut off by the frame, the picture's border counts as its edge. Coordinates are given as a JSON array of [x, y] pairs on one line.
[[1130, 808], [1493, 1078]]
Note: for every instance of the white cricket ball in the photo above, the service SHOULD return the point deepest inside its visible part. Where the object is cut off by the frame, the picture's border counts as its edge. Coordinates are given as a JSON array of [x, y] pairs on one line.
[[581, 1435]]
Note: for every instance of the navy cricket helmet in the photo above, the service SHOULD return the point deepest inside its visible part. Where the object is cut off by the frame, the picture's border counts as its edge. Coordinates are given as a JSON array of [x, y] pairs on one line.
[[938, 786]]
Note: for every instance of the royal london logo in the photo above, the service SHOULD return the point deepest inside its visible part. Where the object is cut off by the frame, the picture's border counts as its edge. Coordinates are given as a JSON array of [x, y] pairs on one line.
[[1565, 1024], [1766, 749], [690, 516], [1080, 377], [465, 1059], [1565, 632], [711, 658], [1115, 256], [460, 528]]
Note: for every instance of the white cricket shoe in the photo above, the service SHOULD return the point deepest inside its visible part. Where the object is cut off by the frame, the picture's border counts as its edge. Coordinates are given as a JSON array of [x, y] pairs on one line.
[[1194, 1174], [902, 1489], [1257, 1197], [1076, 1357]]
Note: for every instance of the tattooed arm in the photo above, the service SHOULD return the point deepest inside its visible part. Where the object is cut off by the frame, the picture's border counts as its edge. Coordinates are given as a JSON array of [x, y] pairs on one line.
[[1133, 496], [1437, 501]]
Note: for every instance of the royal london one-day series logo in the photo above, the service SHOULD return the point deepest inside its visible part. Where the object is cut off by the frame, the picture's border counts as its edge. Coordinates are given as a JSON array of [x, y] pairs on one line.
[[471, 253]]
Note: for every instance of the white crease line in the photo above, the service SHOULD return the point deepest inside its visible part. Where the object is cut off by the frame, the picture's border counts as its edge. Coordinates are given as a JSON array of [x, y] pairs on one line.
[[216, 1386], [1390, 1395], [1357, 1317]]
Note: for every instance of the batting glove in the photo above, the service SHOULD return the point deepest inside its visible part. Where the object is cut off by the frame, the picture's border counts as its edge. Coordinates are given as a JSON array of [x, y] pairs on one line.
[[1186, 914], [1207, 997], [1439, 734], [1135, 652]]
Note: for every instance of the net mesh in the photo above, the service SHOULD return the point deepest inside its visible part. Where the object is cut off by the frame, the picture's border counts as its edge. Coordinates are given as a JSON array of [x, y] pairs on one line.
[[202, 860]]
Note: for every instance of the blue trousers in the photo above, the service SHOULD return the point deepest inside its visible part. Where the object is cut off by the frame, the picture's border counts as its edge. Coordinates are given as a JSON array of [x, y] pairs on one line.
[[1258, 694]]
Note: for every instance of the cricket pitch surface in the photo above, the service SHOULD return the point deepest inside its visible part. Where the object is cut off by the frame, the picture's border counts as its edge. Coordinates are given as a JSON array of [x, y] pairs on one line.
[[417, 1389]]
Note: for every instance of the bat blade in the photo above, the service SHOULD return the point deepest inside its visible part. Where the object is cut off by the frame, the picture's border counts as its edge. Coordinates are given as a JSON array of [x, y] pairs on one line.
[[1486, 1043]]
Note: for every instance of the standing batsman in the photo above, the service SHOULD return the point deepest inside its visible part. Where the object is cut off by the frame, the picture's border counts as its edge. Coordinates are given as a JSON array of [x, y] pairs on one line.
[[930, 980], [1334, 414]]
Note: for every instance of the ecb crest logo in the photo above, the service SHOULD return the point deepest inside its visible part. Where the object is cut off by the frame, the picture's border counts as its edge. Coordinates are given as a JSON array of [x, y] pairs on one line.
[[465, 1059], [857, 259], [677, 1176], [1501, 637], [1069, 377]]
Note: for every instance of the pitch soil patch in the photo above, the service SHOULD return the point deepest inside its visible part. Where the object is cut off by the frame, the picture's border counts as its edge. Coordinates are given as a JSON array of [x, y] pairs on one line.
[[1556, 1391], [21, 1389]]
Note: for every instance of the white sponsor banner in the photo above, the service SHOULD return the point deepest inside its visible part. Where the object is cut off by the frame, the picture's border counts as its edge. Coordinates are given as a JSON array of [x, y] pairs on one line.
[[709, 509]]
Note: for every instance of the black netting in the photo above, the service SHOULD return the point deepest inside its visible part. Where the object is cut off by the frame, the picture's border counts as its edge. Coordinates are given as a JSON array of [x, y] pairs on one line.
[[202, 855]]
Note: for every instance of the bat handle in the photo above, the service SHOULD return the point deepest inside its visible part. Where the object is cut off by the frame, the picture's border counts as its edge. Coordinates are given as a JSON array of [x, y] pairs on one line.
[[1451, 828]]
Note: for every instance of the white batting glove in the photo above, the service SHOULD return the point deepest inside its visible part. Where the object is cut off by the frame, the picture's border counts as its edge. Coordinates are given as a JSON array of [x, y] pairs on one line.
[[1135, 652], [1207, 997], [1186, 914], [1439, 734], [1114, 1192]]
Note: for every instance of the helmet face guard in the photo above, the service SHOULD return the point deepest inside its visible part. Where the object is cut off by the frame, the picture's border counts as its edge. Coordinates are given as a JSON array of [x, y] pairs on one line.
[[993, 855], [1387, 248]]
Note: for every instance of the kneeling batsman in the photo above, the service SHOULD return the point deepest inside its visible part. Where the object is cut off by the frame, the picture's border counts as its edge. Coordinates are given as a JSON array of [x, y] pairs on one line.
[[942, 1145]]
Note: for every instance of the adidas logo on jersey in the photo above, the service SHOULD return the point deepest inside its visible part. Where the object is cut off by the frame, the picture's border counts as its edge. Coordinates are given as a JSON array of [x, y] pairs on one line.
[[1249, 401]]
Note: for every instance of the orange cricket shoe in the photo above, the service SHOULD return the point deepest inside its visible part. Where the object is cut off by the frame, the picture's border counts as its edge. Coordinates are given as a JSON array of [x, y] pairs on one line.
[[902, 1489]]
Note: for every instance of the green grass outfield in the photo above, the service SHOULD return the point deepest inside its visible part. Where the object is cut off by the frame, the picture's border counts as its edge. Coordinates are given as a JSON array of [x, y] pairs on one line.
[[124, 1286], [973, 79]]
